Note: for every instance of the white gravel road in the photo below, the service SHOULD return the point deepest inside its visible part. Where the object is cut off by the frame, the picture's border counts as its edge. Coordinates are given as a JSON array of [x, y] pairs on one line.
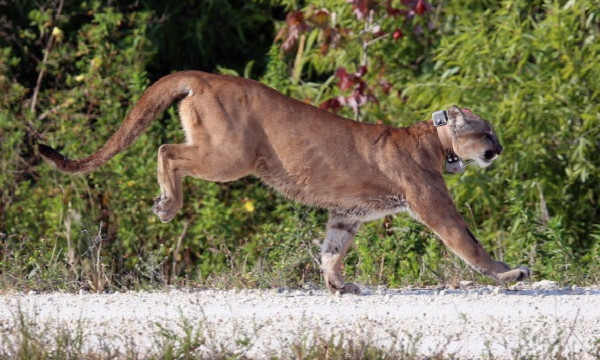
[[538, 319]]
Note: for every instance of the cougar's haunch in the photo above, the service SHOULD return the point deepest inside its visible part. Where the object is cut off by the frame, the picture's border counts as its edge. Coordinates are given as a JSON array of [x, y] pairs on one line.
[[236, 127]]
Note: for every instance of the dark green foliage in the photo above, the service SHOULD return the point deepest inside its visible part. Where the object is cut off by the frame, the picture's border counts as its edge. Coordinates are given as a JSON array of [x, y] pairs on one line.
[[205, 34], [70, 71], [94, 71]]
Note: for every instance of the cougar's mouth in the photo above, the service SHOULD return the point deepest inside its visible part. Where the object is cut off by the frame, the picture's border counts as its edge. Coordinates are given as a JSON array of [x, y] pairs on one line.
[[487, 158]]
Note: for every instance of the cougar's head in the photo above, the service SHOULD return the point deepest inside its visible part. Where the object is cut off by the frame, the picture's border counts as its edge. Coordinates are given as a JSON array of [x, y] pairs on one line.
[[472, 137]]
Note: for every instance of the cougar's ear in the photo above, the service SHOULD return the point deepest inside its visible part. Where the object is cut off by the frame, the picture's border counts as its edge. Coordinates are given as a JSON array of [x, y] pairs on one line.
[[455, 116]]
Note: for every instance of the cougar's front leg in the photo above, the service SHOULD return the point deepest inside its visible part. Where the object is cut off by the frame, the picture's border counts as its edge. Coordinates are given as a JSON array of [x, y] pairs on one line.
[[339, 236], [436, 209], [174, 162]]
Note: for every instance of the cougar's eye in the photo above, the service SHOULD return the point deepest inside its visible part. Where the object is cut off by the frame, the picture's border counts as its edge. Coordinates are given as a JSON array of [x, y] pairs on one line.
[[489, 138]]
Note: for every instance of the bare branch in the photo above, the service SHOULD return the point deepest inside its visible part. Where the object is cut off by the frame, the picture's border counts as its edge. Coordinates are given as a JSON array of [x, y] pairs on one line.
[[42, 72]]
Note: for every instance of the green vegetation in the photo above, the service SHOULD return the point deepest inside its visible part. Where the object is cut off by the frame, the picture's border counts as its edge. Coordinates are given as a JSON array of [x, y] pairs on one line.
[[70, 71]]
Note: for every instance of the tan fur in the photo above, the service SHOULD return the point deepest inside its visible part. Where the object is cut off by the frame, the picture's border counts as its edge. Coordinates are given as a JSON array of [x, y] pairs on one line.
[[235, 127]]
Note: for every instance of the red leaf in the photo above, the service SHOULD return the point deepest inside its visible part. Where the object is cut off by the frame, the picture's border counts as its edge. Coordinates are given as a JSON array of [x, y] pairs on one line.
[[392, 11], [295, 18], [362, 8], [341, 72], [420, 7], [321, 18], [362, 70], [380, 33], [290, 40], [356, 100], [347, 81], [295, 25], [385, 86], [398, 34], [331, 104], [361, 86]]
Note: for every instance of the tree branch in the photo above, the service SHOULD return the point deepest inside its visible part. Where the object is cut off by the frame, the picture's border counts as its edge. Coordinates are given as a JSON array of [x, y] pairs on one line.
[[42, 72]]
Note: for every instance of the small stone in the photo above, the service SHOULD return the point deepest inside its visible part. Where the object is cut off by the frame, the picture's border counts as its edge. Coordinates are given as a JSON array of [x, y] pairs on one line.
[[465, 283], [311, 286], [484, 291], [544, 284]]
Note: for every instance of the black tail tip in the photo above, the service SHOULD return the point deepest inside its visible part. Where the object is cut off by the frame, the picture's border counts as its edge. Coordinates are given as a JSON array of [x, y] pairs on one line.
[[49, 153]]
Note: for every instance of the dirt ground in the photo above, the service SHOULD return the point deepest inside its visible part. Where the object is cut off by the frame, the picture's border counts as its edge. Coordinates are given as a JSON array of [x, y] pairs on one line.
[[471, 322]]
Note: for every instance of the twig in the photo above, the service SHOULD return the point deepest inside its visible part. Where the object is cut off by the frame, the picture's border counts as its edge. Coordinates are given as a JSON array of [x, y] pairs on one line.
[[186, 226], [381, 265], [472, 218], [563, 344], [439, 277], [42, 72], [298, 61], [99, 275], [365, 56], [370, 42], [544, 215], [55, 109], [314, 258]]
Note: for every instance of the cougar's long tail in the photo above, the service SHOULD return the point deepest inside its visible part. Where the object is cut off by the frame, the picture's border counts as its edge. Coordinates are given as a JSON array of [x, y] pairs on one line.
[[153, 101]]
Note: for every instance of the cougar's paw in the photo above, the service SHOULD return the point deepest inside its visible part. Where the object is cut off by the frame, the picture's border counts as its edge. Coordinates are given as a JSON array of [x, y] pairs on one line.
[[165, 208], [348, 288], [516, 274]]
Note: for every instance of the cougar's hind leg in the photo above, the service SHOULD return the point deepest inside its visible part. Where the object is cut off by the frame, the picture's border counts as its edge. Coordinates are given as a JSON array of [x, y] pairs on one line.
[[178, 160], [339, 237], [174, 162]]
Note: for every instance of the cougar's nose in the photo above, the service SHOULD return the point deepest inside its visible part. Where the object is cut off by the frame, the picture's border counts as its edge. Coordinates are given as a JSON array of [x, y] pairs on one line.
[[488, 155], [499, 149]]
